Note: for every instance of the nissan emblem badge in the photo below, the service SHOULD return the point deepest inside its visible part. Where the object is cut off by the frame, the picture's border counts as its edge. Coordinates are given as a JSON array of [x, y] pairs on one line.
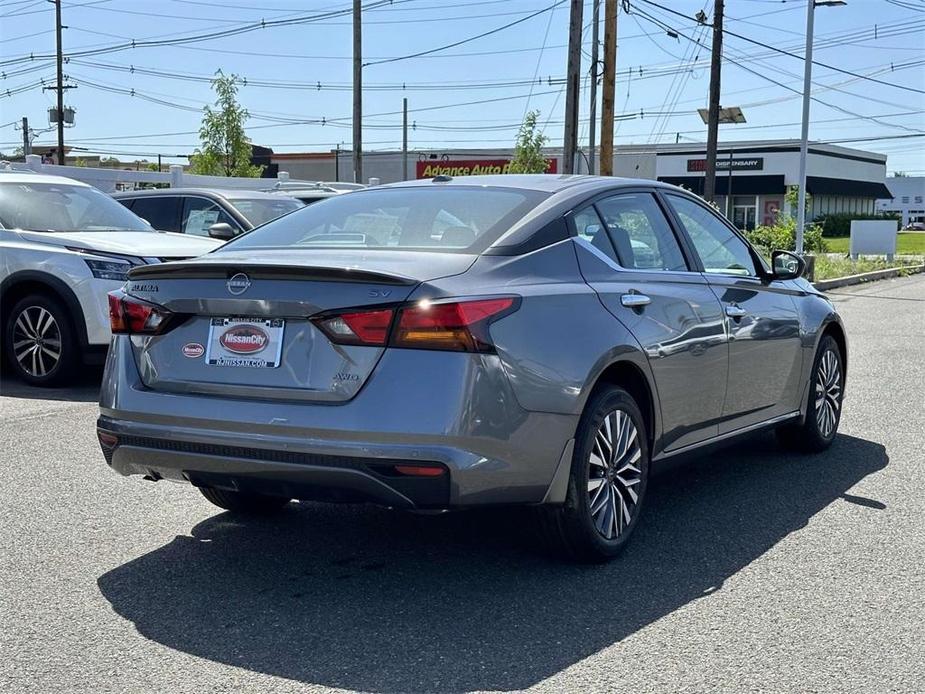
[[238, 284]]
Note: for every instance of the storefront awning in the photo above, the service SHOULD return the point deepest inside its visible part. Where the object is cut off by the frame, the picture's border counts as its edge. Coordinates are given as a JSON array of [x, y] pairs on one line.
[[819, 185], [741, 185]]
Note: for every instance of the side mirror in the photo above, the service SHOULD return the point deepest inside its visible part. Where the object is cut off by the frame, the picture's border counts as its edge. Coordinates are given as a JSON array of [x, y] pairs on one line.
[[786, 265], [222, 231]]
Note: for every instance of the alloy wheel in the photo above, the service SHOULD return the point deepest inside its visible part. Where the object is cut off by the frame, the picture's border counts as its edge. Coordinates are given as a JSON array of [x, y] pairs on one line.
[[828, 393], [36, 341], [614, 474]]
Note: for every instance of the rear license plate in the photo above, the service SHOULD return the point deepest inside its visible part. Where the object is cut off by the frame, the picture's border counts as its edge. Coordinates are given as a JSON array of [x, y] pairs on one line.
[[246, 342]]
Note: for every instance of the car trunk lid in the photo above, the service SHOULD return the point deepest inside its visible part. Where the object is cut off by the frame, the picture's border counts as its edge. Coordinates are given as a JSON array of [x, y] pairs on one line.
[[242, 325]]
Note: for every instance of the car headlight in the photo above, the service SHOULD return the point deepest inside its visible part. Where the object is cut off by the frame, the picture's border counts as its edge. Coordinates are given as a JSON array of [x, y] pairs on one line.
[[109, 269]]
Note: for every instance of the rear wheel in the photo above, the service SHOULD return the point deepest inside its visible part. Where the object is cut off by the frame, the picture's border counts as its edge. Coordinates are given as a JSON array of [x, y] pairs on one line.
[[607, 485], [823, 411], [243, 502], [39, 341]]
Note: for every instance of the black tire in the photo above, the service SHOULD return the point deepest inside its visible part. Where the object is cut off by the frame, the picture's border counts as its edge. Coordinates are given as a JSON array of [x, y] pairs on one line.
[[570, 529], [810, 436], [33, 362], [244, 502]]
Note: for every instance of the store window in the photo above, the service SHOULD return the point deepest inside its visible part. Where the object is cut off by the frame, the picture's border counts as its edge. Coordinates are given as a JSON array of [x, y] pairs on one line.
[[744, 211]]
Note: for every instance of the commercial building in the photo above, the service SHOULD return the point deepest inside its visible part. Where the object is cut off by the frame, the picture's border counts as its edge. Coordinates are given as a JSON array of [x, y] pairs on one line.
[[907, 199], [751, 184]]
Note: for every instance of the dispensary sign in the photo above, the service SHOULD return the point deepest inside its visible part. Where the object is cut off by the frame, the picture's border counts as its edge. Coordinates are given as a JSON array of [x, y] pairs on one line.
[[429, 168], [750, 164]]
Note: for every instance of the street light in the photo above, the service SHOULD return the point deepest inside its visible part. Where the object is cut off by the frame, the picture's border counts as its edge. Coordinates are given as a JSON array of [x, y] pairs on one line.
[[804, 136]]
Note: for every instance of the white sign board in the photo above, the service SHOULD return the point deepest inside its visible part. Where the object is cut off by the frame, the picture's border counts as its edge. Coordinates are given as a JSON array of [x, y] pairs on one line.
[[873, 237]]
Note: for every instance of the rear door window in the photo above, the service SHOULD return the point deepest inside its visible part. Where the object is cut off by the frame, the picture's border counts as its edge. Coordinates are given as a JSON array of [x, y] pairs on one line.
[[640, 233], [589, 227], [161, 212]]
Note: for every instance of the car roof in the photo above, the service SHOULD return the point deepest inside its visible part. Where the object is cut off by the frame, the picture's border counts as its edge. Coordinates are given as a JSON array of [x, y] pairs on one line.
[[12, 176], [548, 183], [228, 194]]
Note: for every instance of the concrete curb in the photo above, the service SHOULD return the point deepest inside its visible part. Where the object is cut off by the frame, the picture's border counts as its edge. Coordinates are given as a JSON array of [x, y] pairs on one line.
[[868, 277]]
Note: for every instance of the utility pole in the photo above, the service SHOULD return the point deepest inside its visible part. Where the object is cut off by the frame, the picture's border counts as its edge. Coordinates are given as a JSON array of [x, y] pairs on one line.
[[609, 87], [404, 138], [592, 128], [60, 87], [26, 142], [572, 87], [357, 92], [709, 181]]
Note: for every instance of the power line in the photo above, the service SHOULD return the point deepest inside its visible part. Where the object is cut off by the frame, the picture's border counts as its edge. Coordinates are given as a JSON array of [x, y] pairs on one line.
[[467, 40], [793, 55]]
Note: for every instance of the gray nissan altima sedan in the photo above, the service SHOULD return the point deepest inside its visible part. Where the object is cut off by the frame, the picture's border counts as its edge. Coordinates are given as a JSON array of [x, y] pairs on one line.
[[538, 340]]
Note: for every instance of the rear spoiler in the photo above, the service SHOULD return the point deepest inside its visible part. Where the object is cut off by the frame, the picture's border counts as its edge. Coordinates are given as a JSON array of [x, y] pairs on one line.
[[193, 270]]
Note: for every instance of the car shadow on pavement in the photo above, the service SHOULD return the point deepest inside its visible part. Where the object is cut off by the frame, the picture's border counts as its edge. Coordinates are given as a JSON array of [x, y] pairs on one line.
[[364, 598], [86, 388]]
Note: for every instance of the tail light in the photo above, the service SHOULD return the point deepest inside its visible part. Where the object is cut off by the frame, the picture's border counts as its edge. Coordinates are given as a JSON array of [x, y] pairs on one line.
[[459, 326], [358, 327], [128, 315]]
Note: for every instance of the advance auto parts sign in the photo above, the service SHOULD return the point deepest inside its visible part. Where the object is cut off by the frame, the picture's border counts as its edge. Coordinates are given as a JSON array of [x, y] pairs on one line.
[[468, 167]]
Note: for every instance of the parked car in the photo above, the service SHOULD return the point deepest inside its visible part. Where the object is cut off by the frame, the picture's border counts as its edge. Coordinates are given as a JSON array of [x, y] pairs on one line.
[[363, 350], [63, 246], [313, 192], [221, 214], [915, 226]]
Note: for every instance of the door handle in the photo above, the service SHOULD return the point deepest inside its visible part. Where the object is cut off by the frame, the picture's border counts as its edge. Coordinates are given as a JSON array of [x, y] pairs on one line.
[[635, 300], [734, 311]]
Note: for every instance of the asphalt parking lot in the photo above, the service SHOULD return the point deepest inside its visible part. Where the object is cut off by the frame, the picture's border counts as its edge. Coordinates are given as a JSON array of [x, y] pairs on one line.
[[753, 570]]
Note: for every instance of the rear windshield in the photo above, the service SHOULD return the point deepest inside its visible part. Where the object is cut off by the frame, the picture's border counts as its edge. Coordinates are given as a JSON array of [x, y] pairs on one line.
[[453, 220], [259, 211]]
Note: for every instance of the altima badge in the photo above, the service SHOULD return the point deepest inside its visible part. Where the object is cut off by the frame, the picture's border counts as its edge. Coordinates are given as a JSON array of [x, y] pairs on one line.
[[238, 284]]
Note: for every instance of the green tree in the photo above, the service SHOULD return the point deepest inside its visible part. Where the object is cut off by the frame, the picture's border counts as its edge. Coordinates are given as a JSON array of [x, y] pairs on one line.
[[528, 150], [226, 150]]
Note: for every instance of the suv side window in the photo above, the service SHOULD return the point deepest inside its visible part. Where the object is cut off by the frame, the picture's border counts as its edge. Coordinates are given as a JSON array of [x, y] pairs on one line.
[[640, 233], [201, 213], [590, 228], [720, 250], [161, 212]]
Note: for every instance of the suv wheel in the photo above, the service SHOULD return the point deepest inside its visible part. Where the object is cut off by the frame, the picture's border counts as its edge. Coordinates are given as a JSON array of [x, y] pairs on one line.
[[39, 341], [607, 485], [243, 502], [823, 411]]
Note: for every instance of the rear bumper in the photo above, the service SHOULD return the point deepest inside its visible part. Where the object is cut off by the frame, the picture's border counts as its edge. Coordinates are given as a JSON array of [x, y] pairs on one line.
[[459, 414]]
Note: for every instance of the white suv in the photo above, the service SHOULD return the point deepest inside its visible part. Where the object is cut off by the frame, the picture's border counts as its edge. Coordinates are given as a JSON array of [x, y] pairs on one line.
[[63, 246]]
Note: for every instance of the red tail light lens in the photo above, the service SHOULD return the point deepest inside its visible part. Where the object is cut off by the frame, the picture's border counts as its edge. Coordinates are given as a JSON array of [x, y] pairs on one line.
[[459, 326], [358, 327], [128, 315]]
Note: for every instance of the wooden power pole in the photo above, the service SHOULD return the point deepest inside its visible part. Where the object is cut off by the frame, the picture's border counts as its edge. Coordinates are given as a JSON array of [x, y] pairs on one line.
[[357, 92], [609, 86], [572, 88], [60, 86], [709, 181]]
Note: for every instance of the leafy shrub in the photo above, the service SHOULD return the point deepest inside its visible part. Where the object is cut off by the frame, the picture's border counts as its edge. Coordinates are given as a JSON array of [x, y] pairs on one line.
[[782, 236], [839, 223]]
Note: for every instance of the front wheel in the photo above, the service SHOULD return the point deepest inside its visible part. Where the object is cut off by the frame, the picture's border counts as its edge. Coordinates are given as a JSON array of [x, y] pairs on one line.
[[607, 485], [243, 502], [823, 411], [39, 341]]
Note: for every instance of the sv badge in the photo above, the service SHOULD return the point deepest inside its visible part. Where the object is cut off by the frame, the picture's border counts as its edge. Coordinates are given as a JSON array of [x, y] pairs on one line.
[[379, 293]]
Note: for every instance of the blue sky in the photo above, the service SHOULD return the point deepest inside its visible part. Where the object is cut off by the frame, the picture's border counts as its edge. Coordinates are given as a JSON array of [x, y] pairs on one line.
[[507, 72]]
